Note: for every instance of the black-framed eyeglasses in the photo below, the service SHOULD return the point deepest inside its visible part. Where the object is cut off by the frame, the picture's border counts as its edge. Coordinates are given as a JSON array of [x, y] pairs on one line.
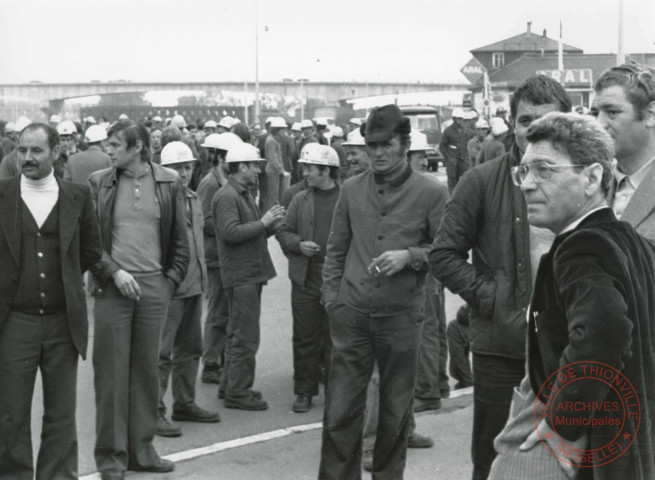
[[541, 171]]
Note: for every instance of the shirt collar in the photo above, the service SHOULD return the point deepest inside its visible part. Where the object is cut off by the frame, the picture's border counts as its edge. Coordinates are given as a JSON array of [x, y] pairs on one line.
[[636, 178], [577, 222]]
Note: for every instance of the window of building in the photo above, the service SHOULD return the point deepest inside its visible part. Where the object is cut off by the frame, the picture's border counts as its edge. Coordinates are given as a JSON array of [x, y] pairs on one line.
[[498, 59]]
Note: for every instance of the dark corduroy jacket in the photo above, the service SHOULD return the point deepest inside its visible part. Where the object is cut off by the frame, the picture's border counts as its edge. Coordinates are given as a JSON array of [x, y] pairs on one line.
[[595, 301]]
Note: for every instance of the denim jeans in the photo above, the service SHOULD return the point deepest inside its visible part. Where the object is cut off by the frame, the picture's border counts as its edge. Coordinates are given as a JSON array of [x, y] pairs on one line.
[[359, 341]]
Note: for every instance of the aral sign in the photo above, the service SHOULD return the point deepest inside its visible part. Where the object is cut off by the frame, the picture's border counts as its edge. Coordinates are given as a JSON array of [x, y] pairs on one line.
[[575, 77], [473, 70]]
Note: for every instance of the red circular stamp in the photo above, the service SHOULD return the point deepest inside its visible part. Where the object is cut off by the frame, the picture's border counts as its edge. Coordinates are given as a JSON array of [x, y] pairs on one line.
[[613, 422]]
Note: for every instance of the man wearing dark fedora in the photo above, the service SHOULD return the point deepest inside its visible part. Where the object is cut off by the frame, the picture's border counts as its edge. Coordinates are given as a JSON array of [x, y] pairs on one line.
[[383, 224]]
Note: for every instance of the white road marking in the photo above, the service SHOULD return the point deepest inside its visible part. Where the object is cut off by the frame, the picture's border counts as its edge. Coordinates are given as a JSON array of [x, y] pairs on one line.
[[252, 439]]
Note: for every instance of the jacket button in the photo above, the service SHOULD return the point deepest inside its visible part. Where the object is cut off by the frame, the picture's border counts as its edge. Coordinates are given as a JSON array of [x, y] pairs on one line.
[[374, 310], [380, 237], [384, 214], [380, 192]]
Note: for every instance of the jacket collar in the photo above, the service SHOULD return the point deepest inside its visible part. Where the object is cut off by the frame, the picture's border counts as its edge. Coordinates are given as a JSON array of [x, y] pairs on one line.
[[604, 215], [396, 182], [161, 175]]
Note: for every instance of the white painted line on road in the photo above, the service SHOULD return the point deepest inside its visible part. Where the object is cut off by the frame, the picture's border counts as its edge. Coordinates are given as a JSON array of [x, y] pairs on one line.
[[252, 439], [461, 392]]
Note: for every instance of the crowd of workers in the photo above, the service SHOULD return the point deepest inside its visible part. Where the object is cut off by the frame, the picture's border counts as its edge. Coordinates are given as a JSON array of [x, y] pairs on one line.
[[167, 212]]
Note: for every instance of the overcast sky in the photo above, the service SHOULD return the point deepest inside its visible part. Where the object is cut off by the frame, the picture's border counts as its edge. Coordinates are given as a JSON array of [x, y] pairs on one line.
[[369, 40]]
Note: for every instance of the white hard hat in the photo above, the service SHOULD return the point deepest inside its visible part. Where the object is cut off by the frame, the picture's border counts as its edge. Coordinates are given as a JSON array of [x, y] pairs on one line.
[[296, 127], [309, 149], [268, 119], [176, 152], [321, 121], [419, 142], [278, 122], [458, 113], [90, 119], [498, 126], [221, 141], [122, 116], [355, 139], [95, 133], [178, 121], [337, 132], [470, 115], [243, 152], [307, 123], [23, 122], [10, 127], [482, 123], [55, 118], [321, 155], [226, 122], [210, 124], [66, 128], [156, 118], [355, 121]]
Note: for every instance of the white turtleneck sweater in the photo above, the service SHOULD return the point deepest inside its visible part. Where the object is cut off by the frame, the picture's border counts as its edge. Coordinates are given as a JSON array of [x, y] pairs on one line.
[[40, 196]]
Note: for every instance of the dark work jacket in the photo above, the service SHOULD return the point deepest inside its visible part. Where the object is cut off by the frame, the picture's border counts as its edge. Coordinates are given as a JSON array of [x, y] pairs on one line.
[[370, 219], [487, 214], [79, 244], [208, 187], [241, 237], [595, 300], [170, 195]]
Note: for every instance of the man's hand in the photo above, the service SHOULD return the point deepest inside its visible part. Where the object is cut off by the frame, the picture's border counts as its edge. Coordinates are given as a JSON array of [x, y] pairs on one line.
[[309, 248], [389, 263], [127, 285], [274, 213], [555, 443]]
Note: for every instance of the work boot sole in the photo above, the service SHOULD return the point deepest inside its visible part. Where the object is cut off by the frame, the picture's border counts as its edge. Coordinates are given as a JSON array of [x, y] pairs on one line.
[[183, 417]]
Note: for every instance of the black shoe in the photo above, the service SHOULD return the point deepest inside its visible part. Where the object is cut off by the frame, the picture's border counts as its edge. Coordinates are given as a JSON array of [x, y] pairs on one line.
[[193, 413], [253, 393], [112, 475], [165, 428], [302, 404], [211, 374], [246, 403], [445, 392], [421, 405], [459, 385], [416, 440], [162, 466]]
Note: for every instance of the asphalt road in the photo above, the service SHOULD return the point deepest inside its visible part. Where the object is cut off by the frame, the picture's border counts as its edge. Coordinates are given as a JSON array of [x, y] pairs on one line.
[[254, 445]]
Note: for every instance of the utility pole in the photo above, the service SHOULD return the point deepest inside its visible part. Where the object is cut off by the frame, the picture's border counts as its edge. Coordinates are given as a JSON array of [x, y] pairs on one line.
[[620, 56], [257, 102]]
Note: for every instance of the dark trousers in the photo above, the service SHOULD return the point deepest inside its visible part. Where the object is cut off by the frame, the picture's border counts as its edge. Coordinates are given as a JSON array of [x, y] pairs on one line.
[[359, 341], [29, 343], [455, 168], [180, 350], [494, 379], [242, 339], [431, 377], [311, 334], [125, 361], [215, 332], [458, 349]]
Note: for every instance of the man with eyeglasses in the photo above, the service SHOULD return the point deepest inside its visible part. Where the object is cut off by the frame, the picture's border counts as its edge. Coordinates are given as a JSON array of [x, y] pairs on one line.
[[487, 214], [593, 301]]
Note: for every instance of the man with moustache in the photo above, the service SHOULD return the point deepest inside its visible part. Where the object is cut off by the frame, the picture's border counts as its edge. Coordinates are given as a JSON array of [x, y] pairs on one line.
[[246, 266], [49, 237]]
